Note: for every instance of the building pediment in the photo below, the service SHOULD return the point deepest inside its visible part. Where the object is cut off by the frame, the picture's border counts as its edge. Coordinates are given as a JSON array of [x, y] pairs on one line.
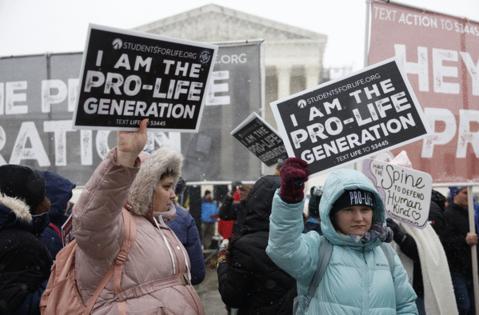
[[214, 23]]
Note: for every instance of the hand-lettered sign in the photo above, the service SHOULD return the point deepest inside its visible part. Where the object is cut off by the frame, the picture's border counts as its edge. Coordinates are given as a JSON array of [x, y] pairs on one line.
[[406, 192]]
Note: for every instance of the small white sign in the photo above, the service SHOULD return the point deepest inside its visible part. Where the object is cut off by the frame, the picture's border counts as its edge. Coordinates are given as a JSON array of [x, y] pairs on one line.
[[406, 192]]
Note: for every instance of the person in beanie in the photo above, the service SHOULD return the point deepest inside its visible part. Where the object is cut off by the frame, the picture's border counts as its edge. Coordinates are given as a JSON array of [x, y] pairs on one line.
[[24, 261], [457, 242], [156, 274], [312, 222], [358, 278]]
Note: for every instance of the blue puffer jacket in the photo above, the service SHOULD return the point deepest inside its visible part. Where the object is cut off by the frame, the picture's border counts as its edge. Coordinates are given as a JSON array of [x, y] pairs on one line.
[[358, 279]]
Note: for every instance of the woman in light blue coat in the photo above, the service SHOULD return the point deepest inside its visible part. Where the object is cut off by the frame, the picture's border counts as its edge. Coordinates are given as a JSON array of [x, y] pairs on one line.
[[358, 279]]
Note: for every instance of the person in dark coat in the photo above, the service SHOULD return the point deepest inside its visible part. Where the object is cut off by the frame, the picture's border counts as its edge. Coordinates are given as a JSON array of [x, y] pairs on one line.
[[24, 261], [436, 213], [59, 192], [236, 209], [185, 229], [457, 244], [312, 222], [240, 208], [227, 211], [247, 278]]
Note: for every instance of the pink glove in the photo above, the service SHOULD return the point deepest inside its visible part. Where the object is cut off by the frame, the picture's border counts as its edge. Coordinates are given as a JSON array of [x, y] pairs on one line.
[[293, 175]]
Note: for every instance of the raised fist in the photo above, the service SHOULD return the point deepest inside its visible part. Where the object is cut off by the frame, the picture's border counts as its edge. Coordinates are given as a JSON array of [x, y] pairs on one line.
[[293, 175]]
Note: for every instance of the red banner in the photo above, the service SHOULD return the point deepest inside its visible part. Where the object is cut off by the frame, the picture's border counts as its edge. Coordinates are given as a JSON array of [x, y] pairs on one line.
[[440, 55]]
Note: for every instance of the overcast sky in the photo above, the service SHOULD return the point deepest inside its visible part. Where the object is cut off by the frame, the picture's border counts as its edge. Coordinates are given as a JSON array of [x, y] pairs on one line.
[[39, 26]]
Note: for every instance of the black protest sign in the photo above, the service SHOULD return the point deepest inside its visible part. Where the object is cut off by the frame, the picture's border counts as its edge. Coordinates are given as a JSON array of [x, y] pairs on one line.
[[127, 76], [351, 118], [42, 90], [259, 138]]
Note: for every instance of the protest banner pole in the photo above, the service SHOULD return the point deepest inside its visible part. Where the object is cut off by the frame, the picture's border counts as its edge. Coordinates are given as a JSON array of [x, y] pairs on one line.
[[263, 94], [472, 229], [357, 164], [366, 33]]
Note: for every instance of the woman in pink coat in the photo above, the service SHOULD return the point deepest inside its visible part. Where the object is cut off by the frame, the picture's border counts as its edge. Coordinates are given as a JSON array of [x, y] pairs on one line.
[[155, 277]]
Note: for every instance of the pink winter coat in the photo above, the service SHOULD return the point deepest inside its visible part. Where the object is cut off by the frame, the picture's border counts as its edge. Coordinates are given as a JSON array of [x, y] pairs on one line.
[[156, 254]]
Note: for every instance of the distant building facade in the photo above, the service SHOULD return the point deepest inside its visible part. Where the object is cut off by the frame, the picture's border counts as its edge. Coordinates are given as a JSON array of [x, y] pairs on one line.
[[293, 57]]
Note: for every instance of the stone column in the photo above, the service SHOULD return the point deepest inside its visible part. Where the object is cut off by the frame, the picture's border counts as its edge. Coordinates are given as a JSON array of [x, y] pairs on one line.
[[284, 76], [312, 75]]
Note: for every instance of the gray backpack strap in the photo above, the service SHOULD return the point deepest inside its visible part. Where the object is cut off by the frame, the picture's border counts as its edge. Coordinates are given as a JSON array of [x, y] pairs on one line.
[[325, 253], [388, 251]]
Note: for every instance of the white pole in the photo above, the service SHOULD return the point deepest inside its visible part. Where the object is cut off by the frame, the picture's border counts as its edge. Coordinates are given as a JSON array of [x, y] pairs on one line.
[[358, 165], [263, 94], [472, 229], [366, 32]]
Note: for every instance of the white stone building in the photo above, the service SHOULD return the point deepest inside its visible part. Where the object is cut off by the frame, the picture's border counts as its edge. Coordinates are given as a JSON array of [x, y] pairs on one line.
[[293, 57]]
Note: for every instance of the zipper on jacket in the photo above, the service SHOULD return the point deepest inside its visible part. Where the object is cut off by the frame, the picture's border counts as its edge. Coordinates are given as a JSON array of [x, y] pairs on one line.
[[365, 293], [173, 260], [364, 257], [185, 257]]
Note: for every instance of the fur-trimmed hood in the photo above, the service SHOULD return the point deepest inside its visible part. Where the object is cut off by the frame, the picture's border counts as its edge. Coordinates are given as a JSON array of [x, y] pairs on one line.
[[18, 207], [140, 195], [14, 213]]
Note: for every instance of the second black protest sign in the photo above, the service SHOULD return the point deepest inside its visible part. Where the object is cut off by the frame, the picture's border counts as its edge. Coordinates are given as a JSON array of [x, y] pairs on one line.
[[351, 118], [259, 138]]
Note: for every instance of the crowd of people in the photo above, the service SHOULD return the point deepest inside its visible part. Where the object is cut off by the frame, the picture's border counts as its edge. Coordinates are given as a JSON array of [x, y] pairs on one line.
[[138, 250]]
